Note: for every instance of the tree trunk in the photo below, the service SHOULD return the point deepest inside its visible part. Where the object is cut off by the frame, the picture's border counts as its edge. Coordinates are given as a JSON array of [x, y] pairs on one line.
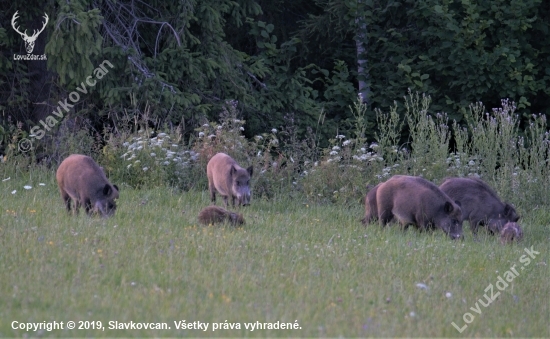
[[361, 45]]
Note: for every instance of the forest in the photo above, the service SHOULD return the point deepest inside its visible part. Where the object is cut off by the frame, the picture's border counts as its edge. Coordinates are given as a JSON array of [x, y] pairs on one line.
[[280, 63]]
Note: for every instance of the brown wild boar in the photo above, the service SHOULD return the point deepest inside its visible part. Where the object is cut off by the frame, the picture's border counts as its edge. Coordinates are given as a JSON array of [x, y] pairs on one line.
[[479, 203], [82, 180], [417, 201], [215, 214], [371, 209], [228, 179], [510, 231]]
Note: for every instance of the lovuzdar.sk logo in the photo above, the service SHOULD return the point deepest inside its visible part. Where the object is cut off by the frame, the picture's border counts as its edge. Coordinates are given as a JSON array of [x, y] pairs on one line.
[[29, 40]]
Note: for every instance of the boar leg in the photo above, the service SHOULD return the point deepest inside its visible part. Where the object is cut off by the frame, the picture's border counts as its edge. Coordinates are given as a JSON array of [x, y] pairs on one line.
[[88, 206], [385, 216], [212, 193], [76, 206], [225, 200], [67, 199], [474, 224]]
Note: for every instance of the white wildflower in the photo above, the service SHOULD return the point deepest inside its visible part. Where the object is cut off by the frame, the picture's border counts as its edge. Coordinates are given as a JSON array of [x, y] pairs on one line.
[[14, 191], [336, 148], [274, 130], [347, 142], [145, 169], [27, 187], [201, 134], [340, 136]]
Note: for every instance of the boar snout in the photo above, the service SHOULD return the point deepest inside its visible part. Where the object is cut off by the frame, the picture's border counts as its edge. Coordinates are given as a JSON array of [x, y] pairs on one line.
[[244, 199], [105, 209], [456, 236], [455, 230]]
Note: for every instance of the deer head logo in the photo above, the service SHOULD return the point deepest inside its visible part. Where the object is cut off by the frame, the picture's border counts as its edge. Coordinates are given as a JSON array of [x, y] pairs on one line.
[[29, 40]]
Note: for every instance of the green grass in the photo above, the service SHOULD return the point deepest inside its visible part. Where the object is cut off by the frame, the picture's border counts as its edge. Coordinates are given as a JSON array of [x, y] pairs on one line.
[[316, 264]]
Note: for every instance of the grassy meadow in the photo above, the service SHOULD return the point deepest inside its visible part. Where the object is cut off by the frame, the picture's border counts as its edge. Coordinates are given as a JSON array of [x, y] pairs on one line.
[[294, 261]]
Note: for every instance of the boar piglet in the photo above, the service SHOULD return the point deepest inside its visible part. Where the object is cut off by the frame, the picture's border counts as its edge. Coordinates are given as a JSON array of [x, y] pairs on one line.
[[510, 231], [417, 201], [229, 179], [479, 203], [215, 214], [371, 209], [79, 178]]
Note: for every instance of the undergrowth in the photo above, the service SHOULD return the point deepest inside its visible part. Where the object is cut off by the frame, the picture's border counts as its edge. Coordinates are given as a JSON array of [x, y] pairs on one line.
[[489, 146]]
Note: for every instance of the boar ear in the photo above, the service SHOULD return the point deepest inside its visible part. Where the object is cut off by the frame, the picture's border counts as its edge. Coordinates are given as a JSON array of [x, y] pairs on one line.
[[232, 170], [250, 170], [107, 190], [448, 208], [116, 187]]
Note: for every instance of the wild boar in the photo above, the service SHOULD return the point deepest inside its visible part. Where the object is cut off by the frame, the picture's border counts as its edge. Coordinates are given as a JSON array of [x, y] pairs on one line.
[[79, 178], [417, 201], [480, 204], [215, 214], [371, 209], [510, 231], [228, 179]]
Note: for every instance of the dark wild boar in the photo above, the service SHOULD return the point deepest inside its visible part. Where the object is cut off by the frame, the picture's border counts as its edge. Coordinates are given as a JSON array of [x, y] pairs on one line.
[[511, 231], [371, 209], [228, 179], [82, 180], [479, 203], [215, 214], [417, 201]]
